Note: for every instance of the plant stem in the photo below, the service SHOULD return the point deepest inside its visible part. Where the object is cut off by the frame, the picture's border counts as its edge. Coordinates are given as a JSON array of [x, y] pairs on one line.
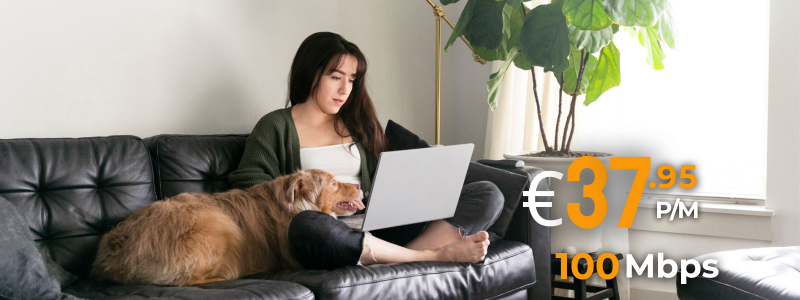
[[572, 128], [571, 115], [565, 146], [536, 97], [539, 111], [584, 59], [566, 126], [558, 119]]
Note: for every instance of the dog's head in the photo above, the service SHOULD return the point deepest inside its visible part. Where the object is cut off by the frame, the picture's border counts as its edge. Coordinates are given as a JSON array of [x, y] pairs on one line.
[[317, 190]]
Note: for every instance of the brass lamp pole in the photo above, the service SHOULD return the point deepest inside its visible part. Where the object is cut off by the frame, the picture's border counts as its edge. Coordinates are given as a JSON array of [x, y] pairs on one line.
[[439, 14]]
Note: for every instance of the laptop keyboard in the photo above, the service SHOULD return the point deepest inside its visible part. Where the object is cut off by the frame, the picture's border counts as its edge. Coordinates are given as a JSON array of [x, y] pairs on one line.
[[355, 221]]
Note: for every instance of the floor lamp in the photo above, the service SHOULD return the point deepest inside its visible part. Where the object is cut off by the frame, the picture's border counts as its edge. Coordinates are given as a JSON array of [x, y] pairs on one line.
[[439, 14]]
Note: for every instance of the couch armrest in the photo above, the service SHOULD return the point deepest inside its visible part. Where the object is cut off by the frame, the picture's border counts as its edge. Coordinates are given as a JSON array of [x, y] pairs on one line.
[[524, 229]]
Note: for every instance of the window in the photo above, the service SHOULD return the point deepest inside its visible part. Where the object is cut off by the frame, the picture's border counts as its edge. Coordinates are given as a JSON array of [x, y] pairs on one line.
[[707, 107]]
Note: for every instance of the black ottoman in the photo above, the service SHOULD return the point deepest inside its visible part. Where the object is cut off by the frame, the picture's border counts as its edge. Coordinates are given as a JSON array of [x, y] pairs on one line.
[[759, 273]]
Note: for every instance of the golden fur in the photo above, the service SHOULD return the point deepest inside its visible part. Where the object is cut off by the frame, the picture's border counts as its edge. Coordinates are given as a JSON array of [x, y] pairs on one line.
[[194, 238]]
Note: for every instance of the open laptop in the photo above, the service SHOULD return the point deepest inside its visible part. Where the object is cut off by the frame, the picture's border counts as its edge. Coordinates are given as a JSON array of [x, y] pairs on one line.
[[413, 186]]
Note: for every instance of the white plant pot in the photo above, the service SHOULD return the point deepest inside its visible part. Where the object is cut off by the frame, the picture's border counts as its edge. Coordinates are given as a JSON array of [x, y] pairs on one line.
[[568, 234]]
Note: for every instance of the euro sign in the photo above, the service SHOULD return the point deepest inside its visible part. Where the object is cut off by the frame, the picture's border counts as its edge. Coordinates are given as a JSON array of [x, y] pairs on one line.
[[532, 193]]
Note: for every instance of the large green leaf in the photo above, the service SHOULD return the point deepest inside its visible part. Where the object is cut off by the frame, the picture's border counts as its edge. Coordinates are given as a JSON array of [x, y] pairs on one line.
[[485, 28], [507, 15], [586, 14], [446, 2], [606, 76], [575, 66], [516, 18], [590, 40], [513, 19], [571, 74], [634, 12], [544, 37], [512, 22], [496, 79], [501, 53], [522, 63], [648, 37], [666, 27], [461, 25]]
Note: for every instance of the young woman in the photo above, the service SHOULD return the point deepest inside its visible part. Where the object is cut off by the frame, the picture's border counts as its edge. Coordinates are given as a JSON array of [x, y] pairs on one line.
[[331, 125]]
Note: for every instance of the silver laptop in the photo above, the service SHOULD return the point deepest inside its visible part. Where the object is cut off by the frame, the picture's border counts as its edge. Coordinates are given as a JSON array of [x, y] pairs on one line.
[[413, 186]]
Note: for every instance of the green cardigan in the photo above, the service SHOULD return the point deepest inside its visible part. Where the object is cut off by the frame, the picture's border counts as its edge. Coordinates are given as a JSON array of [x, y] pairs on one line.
[[273, 150]]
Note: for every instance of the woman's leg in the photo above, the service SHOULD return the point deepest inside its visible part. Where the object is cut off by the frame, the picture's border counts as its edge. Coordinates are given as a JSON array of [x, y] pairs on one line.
[[318, 241], [470, 249], [436, 234], [478, 207]]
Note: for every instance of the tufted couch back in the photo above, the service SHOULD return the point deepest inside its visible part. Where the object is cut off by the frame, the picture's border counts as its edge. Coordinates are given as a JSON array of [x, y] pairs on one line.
[[194, 163], [72, 191]]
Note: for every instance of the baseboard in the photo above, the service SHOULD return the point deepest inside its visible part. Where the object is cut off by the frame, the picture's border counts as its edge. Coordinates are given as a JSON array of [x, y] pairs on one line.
[[639, 294]]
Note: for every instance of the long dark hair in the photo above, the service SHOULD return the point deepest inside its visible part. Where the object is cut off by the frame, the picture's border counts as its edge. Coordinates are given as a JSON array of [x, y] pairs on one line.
[[323, 50]]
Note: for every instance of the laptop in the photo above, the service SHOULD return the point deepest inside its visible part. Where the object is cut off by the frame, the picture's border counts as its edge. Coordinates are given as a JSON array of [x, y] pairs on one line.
[[413, 186]]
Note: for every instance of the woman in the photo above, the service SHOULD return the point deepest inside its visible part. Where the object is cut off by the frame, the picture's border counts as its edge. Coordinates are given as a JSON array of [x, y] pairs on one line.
[[331, 125]]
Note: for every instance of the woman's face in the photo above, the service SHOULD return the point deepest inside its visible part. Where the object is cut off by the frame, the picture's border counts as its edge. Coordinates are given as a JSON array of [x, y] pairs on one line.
[[334, 88]]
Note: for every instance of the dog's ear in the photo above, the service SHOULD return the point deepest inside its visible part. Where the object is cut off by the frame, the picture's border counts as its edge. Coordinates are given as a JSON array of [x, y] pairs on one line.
[[300, 186]]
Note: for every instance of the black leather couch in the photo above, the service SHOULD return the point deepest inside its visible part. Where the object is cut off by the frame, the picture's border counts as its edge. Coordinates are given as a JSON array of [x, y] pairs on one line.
[[72, 191], [747, 274]]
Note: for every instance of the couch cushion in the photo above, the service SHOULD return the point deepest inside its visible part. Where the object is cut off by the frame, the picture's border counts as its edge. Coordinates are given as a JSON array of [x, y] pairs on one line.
[[231, 289], [759, 273], [194, 163], [72, 191], [25, 271], [508, 267]]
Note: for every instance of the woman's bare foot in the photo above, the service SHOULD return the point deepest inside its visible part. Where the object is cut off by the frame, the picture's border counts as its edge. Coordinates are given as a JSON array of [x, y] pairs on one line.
[[469, 249]]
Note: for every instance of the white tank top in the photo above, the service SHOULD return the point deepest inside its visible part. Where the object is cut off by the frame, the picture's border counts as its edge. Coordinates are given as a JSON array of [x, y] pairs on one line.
[[335, 159]]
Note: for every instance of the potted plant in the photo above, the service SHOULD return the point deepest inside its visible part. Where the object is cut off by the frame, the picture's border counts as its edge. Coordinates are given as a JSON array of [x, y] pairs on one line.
[[573, 41]]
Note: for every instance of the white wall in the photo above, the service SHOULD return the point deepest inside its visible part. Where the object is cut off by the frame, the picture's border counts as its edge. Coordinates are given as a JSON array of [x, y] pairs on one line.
[[96, 68]]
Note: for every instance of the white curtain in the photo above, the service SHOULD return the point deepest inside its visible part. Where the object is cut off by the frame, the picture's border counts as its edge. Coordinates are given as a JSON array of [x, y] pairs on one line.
[[514, 127]]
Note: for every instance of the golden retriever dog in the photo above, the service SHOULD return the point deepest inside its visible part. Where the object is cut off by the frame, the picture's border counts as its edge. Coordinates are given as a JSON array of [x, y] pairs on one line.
[[196, 238]]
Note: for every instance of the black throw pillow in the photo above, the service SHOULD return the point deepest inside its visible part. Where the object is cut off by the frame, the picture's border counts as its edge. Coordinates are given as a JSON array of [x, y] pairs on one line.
[[510, 184], [24, 272], [399, 138]]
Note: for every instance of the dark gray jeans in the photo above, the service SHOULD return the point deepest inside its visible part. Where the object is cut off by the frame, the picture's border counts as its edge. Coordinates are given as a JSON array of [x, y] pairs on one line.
[[318, 241]]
